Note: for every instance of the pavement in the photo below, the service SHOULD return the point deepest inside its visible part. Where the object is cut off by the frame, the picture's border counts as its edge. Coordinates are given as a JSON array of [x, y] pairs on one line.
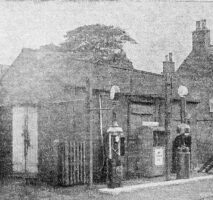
[[196, 188], [132, 188]]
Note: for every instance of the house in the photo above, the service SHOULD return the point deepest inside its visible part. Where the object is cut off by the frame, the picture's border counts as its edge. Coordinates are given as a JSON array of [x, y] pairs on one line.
[[45, 101], [196, 73]]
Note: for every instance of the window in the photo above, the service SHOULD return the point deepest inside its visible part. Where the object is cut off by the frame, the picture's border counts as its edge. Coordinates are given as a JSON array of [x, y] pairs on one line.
[[211, 105]]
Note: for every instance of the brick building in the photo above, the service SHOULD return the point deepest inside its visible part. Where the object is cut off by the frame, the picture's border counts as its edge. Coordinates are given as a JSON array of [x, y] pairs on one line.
[[196, 73], [46, 91]]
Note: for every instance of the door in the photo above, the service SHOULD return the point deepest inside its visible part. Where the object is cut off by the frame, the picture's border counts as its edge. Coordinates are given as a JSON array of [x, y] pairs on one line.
[[138, 114], [25, 139]]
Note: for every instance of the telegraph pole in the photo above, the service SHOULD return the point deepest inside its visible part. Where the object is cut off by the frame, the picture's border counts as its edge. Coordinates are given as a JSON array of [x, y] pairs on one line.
[[183, 110], [168, 71], [167, 78], [183, 91]]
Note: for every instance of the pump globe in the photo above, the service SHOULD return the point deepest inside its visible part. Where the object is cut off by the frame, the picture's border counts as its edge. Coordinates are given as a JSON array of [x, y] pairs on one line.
[[182, 91]]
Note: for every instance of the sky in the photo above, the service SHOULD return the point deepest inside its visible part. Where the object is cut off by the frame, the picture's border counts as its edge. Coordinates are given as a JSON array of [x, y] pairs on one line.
[[159, 27]]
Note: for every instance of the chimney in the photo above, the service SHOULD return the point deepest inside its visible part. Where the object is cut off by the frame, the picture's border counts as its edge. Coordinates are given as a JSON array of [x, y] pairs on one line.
[[197, 25], [168, 65], [201, 36], [170, 57], [203, 23]]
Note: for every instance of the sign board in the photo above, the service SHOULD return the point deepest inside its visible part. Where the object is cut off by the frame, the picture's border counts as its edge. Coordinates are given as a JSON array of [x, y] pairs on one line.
[[159, 156], [150, 123], [114, 89]]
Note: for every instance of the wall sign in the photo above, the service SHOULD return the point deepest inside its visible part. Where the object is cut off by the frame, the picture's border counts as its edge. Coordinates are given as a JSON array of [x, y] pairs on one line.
[[159, 156]]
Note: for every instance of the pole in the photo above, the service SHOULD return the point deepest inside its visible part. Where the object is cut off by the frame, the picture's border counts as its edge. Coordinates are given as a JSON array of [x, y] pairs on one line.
[[101, 128], [101, 119], [128, 136], [90, 124], [167, 122], [183, 110]]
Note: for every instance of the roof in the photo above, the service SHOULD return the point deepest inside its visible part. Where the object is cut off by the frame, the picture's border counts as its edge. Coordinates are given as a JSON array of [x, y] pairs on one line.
[[44, 75], [197, 65], [48, 75]]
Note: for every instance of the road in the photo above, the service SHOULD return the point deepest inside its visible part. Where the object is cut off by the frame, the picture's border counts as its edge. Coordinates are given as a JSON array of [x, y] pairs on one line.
[[199, 190]]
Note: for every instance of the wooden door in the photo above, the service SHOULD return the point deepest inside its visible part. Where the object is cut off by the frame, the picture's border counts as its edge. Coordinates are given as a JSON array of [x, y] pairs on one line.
[[25, 139], [138, 114]]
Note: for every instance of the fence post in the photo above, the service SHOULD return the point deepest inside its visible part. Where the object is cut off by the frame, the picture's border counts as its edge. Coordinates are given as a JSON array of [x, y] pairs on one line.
[[84, 160], [90, 124]]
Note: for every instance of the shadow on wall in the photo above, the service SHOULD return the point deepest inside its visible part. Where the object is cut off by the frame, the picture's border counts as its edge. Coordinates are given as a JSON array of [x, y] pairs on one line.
[[5, 142], [204, 141]]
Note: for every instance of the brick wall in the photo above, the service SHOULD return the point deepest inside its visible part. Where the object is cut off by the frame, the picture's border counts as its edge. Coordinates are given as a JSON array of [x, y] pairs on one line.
[[66, 121], [5, 141], [196, 73]]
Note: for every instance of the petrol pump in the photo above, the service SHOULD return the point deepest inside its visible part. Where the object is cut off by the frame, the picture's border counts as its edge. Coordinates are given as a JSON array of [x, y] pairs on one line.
[[115, 150]]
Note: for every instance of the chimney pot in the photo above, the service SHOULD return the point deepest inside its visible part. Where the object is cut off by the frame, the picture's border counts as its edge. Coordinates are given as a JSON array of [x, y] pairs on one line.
[[170, 57], [168, 65], [201, 37], [197, 25], [203, 23]]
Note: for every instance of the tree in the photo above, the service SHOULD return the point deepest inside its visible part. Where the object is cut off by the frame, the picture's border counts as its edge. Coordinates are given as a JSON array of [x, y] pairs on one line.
[[104, 42]]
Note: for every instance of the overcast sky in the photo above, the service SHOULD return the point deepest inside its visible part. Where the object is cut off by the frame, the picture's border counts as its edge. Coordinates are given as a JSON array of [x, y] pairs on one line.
[[158, 27]]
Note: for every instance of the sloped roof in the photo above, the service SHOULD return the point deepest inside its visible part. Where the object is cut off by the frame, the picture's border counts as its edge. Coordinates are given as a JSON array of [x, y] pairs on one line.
[[197, 65], [147, 82], [43, 75]]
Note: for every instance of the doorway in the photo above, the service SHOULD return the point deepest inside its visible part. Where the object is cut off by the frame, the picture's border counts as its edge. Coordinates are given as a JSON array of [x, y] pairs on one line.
[[25, 139], [138, 113]]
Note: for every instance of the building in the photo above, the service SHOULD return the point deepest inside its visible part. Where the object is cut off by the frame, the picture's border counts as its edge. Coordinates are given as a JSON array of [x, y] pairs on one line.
[[196, 73], [45, 100]]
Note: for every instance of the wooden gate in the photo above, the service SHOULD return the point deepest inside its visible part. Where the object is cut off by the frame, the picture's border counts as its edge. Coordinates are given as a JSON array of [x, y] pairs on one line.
[[71, 163]]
